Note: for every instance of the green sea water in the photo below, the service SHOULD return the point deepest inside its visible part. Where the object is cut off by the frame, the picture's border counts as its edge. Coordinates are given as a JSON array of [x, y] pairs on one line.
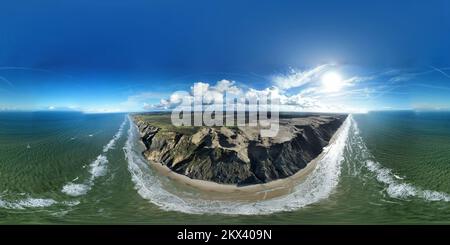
[[74, 168]]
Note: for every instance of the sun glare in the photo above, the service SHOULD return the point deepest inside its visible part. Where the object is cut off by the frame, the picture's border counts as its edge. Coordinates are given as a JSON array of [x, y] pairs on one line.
[[332, 82]]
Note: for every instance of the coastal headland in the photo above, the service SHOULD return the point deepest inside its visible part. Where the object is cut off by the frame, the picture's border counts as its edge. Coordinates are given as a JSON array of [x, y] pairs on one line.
[[235, 162]]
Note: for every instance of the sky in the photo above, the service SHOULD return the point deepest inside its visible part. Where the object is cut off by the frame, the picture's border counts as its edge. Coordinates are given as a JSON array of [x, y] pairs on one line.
[[119, 56]]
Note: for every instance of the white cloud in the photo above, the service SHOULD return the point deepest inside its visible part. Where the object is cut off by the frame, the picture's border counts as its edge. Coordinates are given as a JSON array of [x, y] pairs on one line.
[[133, 103], [136, 102], [175, 99], [310, 95], [103, 109], [298, 78], [6, 81], [227, 86], [401, 78], [200, 93], [211, 93], [358, 79]]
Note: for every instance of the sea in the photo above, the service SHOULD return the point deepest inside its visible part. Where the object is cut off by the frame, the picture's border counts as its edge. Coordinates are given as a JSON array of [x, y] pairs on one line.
[[76, 168]]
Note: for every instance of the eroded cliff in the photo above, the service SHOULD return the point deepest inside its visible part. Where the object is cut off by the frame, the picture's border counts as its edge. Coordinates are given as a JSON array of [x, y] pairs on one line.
[[238, 155]]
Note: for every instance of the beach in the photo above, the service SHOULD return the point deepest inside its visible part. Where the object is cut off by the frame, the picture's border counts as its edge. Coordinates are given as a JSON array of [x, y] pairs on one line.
[[214, 191]]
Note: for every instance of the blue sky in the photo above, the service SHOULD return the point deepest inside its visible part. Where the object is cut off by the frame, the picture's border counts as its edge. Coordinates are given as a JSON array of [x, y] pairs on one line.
[[105, 56]]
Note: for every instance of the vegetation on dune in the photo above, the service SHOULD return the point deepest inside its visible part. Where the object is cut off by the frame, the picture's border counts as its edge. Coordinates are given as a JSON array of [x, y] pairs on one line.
[[164, 123]]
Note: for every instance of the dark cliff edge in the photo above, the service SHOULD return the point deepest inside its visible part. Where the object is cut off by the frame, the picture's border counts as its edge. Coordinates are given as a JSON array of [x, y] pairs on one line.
[[232, 155]]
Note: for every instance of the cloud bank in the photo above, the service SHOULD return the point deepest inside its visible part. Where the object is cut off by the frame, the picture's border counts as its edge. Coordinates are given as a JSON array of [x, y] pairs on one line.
[[299, 90]]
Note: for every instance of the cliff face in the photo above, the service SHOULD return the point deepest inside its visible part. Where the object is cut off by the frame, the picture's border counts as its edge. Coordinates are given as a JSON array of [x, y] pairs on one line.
[[239, 155]]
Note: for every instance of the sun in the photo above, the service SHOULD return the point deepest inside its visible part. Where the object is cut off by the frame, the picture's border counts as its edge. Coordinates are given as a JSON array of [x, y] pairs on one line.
[[332, 82]]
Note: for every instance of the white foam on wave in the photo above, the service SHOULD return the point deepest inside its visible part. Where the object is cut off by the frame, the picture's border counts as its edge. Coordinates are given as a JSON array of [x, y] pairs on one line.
[[317, 186], [31, 202], [27, 203], [36, 202], [395, 186], [398, 189], [117, 136], [97, 168], [73, 189]]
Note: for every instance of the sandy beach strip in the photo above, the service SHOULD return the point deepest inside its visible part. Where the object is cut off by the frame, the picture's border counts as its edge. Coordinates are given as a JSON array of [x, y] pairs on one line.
[[215, 191]]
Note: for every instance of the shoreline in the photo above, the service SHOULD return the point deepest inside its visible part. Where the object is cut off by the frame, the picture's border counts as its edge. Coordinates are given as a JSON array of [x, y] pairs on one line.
[[256, 192]]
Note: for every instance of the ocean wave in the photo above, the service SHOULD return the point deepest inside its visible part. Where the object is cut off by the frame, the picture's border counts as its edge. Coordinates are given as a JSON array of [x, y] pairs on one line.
[[395, 187], [117, 136], [317, 186], [97, 168], [27, 203], [31, 202], [402, 190], [73, 189]]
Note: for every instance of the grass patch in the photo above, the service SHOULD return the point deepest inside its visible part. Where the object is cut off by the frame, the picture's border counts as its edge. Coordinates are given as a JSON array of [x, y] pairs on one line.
[[164, 123]]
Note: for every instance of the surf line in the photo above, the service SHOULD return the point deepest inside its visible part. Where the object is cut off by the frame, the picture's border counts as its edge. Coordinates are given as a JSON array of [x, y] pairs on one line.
[[97, 168], [395, 186], [27, 203], [30, 202], [317, 186]]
